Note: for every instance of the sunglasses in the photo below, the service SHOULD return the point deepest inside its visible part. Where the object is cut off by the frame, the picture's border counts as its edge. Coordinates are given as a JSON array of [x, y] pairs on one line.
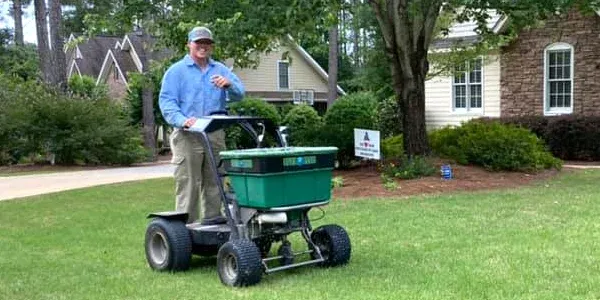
[[203, 42]]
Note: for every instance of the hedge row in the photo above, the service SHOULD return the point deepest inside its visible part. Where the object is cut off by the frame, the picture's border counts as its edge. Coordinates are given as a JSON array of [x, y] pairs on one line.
[[568, 137], [493, 145], [37, 123]]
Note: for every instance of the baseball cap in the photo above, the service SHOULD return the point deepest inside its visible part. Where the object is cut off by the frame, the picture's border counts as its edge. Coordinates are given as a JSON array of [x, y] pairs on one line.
[[200, 33]]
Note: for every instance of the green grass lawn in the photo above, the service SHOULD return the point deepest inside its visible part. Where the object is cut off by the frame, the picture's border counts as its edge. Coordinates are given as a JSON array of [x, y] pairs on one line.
[[541, 242]]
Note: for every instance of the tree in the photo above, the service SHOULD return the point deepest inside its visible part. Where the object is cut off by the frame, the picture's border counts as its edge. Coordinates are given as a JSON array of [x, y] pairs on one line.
[[333, 55], [42, 40], [59, 64], [19, 61], [408, 27], [17, 13]]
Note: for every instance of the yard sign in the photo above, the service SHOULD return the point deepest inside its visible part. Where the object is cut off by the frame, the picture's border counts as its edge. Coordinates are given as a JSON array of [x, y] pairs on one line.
[[366, 143]]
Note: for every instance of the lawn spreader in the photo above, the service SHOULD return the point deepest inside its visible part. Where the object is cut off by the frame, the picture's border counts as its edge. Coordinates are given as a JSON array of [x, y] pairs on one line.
[[272, 191]]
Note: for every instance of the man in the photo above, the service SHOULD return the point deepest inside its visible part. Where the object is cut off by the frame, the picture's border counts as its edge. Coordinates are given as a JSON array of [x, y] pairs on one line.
[[194, 87]]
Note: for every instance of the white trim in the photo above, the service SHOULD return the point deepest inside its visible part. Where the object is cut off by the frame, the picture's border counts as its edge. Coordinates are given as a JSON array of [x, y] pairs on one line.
[[565, 110], [78, 54], [500, 24], [279, 88], [104, 70], [468, 110], [313, 63], [74, 66], [134, 55]]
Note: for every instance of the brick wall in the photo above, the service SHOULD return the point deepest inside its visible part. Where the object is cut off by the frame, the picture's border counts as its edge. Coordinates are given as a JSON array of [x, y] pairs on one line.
[[522, 65]]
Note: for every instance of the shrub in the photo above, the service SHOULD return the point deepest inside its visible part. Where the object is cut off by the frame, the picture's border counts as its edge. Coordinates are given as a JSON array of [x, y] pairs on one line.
[[85, 86], [444, 143], [251, 107], [388, 117], [568, 137], [348, 112], [393, 147], [574, 137], [255, 107], [494, 146], [304, 124], [79, 131], [74, 130], [284, 109]]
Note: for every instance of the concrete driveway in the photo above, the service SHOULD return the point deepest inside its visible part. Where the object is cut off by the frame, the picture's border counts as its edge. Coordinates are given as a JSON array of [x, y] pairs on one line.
[[29, 185]]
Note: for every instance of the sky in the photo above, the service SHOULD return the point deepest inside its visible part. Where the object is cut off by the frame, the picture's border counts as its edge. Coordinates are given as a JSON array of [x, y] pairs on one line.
[[28, 21]]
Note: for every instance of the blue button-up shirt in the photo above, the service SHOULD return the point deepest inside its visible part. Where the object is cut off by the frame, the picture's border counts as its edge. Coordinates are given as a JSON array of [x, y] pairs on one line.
[[187, 91]]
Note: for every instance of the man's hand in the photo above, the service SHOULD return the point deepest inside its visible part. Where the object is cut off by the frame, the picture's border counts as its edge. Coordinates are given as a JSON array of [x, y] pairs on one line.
[[189, 122], [220, 81]]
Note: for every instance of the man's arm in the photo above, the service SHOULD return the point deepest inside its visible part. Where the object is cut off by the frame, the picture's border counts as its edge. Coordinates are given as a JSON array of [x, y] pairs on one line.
[[236, 89], [167, 99]]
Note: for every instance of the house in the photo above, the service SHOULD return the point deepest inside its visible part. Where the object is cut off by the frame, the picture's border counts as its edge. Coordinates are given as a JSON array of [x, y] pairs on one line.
[[286, 75], [85, 58], [548, 70]]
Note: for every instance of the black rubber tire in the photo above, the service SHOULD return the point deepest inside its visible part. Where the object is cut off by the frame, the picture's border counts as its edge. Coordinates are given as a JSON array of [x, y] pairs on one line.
[[239, 263], [334, 244], [168, 245]]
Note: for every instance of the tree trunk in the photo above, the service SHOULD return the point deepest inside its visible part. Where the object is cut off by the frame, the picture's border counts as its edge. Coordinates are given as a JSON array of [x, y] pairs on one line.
[[333, 66], [42, 39], [59, 64], [412, 101], [355, 35], [18, 17], [148, 98]]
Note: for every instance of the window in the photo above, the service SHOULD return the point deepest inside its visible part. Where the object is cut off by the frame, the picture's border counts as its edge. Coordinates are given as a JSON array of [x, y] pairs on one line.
[[558, 79], [284, 76], [467, 86]]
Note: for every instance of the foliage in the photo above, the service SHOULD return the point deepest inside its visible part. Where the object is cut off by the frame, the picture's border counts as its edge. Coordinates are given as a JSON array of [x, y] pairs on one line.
[[136, 85], [574, 137], [388, 117], [568, 137], [255, 107], [236, 138], [304, 125], [85, 87], [348, 112], [407, 168], [337, 182], [20, 61], [392, 147], [494, 146], [444, 142], [72, 130], [284, 109]]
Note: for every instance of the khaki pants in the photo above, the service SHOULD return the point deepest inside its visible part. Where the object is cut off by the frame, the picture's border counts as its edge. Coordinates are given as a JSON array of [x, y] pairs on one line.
[[194, 178]]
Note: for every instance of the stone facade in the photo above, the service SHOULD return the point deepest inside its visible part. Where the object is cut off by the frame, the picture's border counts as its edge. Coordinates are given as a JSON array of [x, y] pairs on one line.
[[522, 65]]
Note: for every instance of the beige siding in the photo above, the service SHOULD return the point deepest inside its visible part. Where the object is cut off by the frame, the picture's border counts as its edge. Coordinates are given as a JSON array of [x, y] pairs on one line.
[[438, 98], [264, 77]]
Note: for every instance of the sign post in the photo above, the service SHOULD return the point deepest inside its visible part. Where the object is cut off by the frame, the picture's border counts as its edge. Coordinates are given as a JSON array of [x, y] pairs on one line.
[[366, 143]]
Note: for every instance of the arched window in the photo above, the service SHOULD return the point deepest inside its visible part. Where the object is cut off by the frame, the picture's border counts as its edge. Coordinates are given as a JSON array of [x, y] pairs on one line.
[[558, 79]]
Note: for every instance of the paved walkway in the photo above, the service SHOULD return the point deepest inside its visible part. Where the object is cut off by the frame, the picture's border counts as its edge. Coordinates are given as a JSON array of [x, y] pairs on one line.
[[29, 185]]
